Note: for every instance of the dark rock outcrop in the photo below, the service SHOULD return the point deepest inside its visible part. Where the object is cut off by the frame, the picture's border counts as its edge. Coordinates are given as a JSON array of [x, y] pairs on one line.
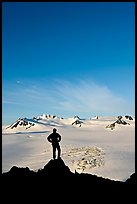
[[132, 179], [128, 117], [112, 126], [77, 122], [118, 121], [56, 169], [56, 180], [21, 122]]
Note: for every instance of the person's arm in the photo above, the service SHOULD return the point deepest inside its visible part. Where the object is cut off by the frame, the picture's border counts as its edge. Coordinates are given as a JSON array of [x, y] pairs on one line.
[[49, 138], [59, 138]]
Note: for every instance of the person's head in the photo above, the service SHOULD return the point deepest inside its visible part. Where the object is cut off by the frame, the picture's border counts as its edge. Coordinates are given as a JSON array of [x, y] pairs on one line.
[[54, 130]]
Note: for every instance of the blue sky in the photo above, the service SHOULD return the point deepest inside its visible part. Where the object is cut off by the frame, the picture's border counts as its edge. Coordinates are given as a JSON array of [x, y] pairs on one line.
[[67, 58]]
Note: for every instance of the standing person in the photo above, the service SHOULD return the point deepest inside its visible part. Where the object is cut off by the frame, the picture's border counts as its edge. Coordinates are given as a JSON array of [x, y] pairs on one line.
[[55, 138]]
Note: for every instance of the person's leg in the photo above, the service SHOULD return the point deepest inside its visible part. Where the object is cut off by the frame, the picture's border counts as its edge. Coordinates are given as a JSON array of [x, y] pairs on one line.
[[59, 151], [54, 151]]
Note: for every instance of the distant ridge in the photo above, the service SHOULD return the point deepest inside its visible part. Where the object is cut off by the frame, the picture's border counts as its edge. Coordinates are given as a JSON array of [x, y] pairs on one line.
[[44, 121]]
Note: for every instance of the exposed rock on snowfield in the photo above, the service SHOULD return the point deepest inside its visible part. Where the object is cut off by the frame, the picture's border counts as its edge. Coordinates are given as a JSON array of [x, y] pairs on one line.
[[47, 120], [119, 121], [46, 116], [21, 122], [112, 126], [119, 117], [128, 117], [77, 122], [76, 117], [85, 158]]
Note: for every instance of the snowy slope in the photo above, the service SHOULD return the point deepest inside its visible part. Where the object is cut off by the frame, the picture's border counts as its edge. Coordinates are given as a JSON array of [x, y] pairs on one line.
[[91, 148], [46, 122]]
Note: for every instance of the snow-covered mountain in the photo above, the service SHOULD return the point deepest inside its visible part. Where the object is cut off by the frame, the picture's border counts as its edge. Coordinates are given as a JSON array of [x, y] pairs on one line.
[[22, 122], [45, 117], [46, 122], [102, 145]]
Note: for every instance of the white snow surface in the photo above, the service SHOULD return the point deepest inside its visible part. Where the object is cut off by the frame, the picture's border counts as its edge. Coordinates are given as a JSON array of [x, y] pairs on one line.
[[91, 148]]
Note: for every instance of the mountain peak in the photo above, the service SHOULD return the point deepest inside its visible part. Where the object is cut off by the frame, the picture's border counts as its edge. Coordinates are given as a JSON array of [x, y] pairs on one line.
[[21, 122], [46, 116]]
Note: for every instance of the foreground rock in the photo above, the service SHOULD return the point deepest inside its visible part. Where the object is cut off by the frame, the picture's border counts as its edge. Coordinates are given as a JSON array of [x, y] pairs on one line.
[[57, 170]]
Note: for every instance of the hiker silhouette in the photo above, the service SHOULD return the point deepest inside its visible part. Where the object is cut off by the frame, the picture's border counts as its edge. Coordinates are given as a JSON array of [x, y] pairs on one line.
[[55, 138]]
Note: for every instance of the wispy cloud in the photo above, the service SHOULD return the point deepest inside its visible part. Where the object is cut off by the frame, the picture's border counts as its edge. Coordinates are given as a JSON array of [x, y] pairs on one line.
[[79, 97], [87, 96], [11, 102]]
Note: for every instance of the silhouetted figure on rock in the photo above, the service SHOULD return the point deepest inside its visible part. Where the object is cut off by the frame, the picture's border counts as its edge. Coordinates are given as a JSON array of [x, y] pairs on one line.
[[55, 138]]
